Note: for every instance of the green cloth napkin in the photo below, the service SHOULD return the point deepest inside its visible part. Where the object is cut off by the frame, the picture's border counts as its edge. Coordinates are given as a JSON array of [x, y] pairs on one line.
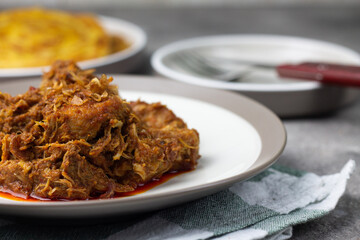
[[266, 206]]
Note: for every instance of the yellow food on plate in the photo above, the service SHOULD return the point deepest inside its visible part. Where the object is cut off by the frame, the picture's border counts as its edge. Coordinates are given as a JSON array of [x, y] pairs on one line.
[[33, 37]]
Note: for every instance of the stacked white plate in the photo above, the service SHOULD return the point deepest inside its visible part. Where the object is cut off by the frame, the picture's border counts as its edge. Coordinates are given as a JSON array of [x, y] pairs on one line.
[[286, 97]]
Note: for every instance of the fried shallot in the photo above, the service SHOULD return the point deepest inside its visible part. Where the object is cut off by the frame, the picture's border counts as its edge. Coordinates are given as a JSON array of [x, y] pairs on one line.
[[74, 137]]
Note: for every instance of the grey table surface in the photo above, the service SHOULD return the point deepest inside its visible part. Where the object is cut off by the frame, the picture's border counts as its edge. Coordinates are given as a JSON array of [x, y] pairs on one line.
[[321, 145]]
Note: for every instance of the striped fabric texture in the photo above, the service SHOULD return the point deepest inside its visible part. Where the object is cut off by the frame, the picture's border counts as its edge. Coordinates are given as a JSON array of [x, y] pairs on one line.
[[264, 207]]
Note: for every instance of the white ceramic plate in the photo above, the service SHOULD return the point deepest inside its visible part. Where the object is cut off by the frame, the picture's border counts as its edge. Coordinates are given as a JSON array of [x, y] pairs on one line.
[[131, 32], [286, 97], [233, 146]]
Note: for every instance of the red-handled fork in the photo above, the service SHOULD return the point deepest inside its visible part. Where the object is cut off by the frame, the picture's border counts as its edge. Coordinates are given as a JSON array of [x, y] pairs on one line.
[[322, 72]]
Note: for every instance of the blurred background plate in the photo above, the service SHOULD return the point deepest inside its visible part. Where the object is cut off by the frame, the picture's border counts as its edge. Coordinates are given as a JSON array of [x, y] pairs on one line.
[[286, 97], [120, 62]]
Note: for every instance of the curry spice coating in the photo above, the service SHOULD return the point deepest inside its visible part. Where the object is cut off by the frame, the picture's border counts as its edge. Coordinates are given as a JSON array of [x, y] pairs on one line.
[[75, 138]]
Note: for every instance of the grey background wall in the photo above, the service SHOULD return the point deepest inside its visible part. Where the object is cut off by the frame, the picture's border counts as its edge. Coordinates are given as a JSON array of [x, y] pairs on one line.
[[168, 3]]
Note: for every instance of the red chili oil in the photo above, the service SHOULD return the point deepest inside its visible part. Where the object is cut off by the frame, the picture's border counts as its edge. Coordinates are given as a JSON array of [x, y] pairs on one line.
[[140, 189]]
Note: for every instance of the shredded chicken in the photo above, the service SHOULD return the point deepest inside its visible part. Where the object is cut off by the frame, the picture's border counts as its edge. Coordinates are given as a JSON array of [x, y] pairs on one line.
[[75, 138]]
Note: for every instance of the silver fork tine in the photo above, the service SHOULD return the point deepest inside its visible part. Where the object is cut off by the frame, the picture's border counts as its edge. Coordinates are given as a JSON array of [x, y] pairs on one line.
[[188, 63], [198, 64], [201, 61]]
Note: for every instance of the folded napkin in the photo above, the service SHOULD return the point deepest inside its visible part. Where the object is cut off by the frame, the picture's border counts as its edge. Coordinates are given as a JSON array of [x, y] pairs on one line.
[[266, 206]]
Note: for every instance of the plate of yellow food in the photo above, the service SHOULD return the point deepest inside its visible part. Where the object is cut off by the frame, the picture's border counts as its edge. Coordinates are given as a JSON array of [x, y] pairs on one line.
[[33, 38], [73, 145]]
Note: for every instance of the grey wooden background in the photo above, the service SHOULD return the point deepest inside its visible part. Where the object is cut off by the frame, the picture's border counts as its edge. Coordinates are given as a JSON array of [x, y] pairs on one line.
[[169, 3], [320, 144]]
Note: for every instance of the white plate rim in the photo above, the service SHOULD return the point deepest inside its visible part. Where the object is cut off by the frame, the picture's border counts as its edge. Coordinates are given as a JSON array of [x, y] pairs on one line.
[[161, 68], [135, 32], [268, 155]]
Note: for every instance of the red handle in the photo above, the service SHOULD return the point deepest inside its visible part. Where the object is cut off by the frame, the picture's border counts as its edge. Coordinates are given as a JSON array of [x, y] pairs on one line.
[[322, 72]]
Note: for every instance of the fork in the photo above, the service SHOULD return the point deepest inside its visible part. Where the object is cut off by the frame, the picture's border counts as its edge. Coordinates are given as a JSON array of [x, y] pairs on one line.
[[338, 74], [199, 64]]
